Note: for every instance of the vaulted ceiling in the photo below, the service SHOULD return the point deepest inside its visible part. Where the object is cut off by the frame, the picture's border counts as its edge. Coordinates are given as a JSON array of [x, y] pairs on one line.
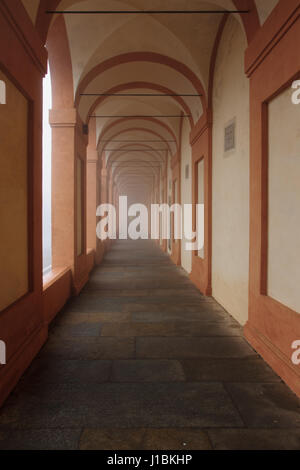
[[142, 55]]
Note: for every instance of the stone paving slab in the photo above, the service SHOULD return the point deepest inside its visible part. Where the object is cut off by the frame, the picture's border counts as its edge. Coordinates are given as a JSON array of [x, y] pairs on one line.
[[141, 360], [166, 329], [75, 318], [145, 439], [255, 439], [228, 370], [89, 348], [40, 439], [179, 316], [169, 348], [266, 405], [120, 405], [67, 371], [147, 371], [89, 329]]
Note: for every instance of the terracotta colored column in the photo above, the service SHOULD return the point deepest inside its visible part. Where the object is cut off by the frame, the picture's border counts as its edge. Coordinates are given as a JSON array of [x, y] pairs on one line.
[[100, 247], [63, 123], [176, 178], [91, 187], [165, 200], [200, 139], [104, 198], [104, 195]]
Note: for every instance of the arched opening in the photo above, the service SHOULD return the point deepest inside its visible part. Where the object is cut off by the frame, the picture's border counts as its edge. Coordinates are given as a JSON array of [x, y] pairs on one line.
[[47, 175]]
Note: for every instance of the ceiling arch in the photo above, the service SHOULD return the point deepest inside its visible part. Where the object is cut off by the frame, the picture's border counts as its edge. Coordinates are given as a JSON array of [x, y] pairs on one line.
[[135, 134], [152, 123], [138, 86], [140, 54], [250, 22], [144, 57]]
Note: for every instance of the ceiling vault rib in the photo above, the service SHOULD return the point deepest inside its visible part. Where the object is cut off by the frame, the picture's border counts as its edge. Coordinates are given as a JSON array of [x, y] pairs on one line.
[[144, 12], [144, 95], [135, 150], [141, 116], [135, 141]]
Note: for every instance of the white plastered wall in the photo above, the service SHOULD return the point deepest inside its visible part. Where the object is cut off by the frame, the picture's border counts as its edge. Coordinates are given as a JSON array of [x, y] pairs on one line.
[[265, 8], [230, 235], [284, 201], [200, 195], [32, 7], [186, 188], [170, 185]]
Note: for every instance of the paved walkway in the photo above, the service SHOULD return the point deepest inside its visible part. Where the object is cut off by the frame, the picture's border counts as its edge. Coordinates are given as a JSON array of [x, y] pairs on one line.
[[141, 360]]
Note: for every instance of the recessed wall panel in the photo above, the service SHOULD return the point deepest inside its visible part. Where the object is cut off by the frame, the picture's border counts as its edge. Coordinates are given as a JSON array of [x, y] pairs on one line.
[[14, 279], [284, 201], [79, 190], [200, 189]]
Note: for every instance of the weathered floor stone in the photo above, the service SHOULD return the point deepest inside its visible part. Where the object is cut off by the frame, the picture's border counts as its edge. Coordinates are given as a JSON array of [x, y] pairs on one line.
[[165, 329], [145, 439], [168, 348], [147, 371], [266, 405], [142, 360], [40, 439], [228, 370], [255, 439]]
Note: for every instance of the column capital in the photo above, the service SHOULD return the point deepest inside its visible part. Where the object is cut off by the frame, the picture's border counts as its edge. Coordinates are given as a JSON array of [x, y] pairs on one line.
[[92, 155], [65, 117]]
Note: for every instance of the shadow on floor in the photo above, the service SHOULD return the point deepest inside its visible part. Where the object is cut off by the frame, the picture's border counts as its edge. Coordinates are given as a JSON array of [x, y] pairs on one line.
[[141, 360]]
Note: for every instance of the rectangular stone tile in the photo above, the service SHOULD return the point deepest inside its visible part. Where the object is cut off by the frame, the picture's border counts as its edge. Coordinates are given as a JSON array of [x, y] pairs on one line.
[[171, 306], [106, 268], [67, 371], [145, 273], [143, 263], [176, 439], [167, 329], [188, 291], [255, 439], [182, 316], [94, 303], [40, 439], [163, 302], [112, 439], [154, 293], [113, 275], [228, 370], [121, 405], [144, 439], [120, 292], [138, 284], [89, 329], [89, 348], [75, 318], [266, 405], [175, 348], [147, 371]]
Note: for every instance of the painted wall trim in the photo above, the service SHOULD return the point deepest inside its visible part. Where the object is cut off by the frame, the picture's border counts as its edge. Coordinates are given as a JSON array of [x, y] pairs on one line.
[[282, 18], [279, 362]]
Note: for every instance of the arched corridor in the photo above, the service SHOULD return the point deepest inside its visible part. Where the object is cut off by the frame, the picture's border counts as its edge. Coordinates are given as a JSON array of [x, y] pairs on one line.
[[150, 229]]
